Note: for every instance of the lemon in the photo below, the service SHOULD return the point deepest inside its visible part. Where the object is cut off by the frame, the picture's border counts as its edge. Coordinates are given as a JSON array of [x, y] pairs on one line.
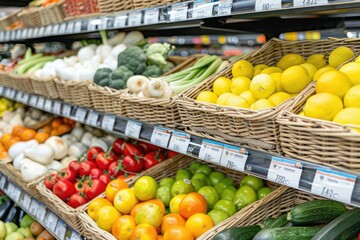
[[340, 55], [323, 106], [221, 85], [295, 79], [258, 68], [302, 114], [317, 60], [240, 84], [293, 94], [106, 216], [352, 97], [277, 77], [207, 96], [290, 60], [357, 59], [349, 116], [261, 104], [247, 95], [262, 86], [334, 82], [223, 98], [352, 70], [278, 98], [242, 68], [237, 101], [321, 71], [270, 70], [311, 69]]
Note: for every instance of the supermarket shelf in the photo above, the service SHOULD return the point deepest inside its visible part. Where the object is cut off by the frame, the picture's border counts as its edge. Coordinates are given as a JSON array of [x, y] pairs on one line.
[[193, 13], [328, 182], [55, 225]]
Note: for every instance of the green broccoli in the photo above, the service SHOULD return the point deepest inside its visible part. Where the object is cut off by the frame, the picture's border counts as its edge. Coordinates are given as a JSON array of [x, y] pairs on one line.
[[102, 73], [119, 77], [134, 58], [152, 71], [167, 67]]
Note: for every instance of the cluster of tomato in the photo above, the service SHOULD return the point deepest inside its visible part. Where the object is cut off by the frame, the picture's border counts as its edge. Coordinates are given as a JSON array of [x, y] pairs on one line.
[[87, 178]]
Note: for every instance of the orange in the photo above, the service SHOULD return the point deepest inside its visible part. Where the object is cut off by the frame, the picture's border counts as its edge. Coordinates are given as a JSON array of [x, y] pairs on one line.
[[64, 128], [124, 227], [171, 220], [113, 187], [4, 155], [27, 135], [41, 137], [125, 200], [18, 130], [95, 205], [178, 233], [135, 209], [54, 132], [47, 129], [5, 138], [106, 216], [158, 202], [199, 223], [144, 232], [191, 204], [160, 237], [11, 142], [56, 123], [2, 147]]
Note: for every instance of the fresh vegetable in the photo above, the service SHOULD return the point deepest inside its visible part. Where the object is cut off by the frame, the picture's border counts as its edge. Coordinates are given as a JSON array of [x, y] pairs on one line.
[[85, 168], [93, 188], [64, 189], [101, 74], [238, 233], [134, 58], [32, 171], [67, 174], [135, 83], [153, 158], [103, 160], [119, 77], [42, 153], [93, 152], [286, 233], [76, 200], [152, 71], [50, 181], [58, 145], [280, 221], [130, 149]]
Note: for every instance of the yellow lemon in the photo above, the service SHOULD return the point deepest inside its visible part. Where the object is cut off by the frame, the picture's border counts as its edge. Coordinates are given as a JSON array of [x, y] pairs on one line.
[[221, 85], [258, 68], [106, 216], [242, 68], [311, 69], [290, 60], [352, 70], [247, 95], [293, 94], [334, 82], [270, 70], [207, 96], [261, 104], [278, 98], [352, 97], [223, 98], [295, 79], [357, 59], [262, 86], [317, 60], [321, 71], [340, 55], [175, 202], [240, 84], [277, 77], [237, 101], [302, 114], [349, 116], [323, 106]]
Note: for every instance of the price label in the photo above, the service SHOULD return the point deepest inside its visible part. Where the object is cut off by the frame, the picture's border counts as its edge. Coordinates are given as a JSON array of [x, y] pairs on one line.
[[40, 102], [211, 151], [203, 9], [179, 142], [81, 115], [33, 100], [108, 122], [26, 201], [18, 96], [41, 31], [93, 24], [35, 32], [285, 171], [17, 193], [306, 3], [104, 23], [2, 35], [178, 12], [225, 7], [151, 16], [25, 97], [48, 105], [70, 27], [41, 212], [7, 35], [34, 207], [55, 29], [1, 89], [133, 129], [66, 110], [120, 21], [92, 118], [60, 229], [9, 93], [48, 30], [75, 236], [52, 221], [2, 182], [161, 136], [12, 35], [18, 34], [234, 157], [77, 26], [334, 185], [62, 28], [267, 5], [135, 18], [57, 107]]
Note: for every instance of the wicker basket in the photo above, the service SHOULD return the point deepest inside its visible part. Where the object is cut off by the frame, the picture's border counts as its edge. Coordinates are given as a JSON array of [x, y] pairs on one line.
[[5, 80], [76, 92], [91, 231], [138, 4], [8, 20], [75, 8], [44, 87], [108, 6], [21, 82], [106, 99], [52, 14], [256, 129], [156, 111]]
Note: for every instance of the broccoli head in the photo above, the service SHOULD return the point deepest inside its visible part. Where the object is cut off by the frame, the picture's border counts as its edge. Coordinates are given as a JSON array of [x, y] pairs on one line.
[[119, 77], [152, 71], [134, 58]]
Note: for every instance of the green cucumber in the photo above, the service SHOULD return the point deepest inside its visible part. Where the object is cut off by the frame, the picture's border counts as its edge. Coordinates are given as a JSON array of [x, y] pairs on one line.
[[266, 222], [345, 227], [23, 68], [238, 233], [287, 233], [26, 60], [280, 221], [36, 67], [314, 212]]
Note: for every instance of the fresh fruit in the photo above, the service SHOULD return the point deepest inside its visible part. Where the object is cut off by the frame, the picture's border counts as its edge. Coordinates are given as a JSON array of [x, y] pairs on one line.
[[224, 183], [202, 177], [244, 196], [258, 68], [113, 187], [26, 221], [295, 79], [228, 193], [137, 207], [352, 70], [171, 220], [263, 192], [321, 71], [270, 70], [317, 60], [166, 182], [144, 232], [278, 98], [349, 116], [145, 188], [197, 184], [277, 78], [163, 193], [290, 60], [125, 200], [149, 213], [333, 82], [223, 98], [210, 195], [261, 104], [340, 55], [106, 216], [311, 69], [204, 169], [216, 177], [95, 205], [262, 86], [240, 84], [221, 85], [175, 203], [242, 68], [217, 216], [183, 174], [194, 166], [249, 98], [123, 227], [192, 203], [207, 96], [199, 223], [254, 182], [226, 206], [183, 186], [323, 106], [237, 101], [352, 97], [178, 233]]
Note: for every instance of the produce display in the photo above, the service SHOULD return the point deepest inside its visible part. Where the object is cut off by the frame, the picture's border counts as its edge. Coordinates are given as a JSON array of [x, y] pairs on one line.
[[31, 63]]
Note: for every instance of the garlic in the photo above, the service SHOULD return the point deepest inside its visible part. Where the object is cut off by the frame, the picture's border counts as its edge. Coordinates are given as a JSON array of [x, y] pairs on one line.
[[135, 83], [156, 88]]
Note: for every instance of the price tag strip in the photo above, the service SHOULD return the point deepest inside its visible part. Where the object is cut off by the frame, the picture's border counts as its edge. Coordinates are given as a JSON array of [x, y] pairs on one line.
[[66, 110], [203, 9], [80, 115], [234, 157], [285, 171], [92, 118], [267, 5], [60, 229], [33, 100], [307, 3], [160, 136], [51, 222], [333, 184], [151, 16], [211, 151], [133, 129], [120, 21], [34, 207], [26, 201], [75, 236], [2, 182], [40, 102], [48, 105], [108, 122], [135, 18], [41, 212], [178, 12], [179, 142]]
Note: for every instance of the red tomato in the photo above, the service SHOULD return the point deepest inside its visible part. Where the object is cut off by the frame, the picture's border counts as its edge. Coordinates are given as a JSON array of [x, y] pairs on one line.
[[79, 186], [133, 164], [93, 188], [118, 145], [64, 189], [143, 147], [171, 154], [93, 152], [131, 150], [153, 158], [76, 200], [95, 173], [50, 181], [152, 147], [67, 174], [103, 160], [85, 168], [105, 178], [115, 169], [125, 176], [74, 166]]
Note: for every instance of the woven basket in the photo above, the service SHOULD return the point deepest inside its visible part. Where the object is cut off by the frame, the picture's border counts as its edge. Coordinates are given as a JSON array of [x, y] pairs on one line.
[[138, 4], [106, 99], [91, 231], [8, 20], [74, 8], [108, 6], [5, 80], [76, 92], [52, 14], [44, 87], [156, 111], [256, 129], [21, 82]]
